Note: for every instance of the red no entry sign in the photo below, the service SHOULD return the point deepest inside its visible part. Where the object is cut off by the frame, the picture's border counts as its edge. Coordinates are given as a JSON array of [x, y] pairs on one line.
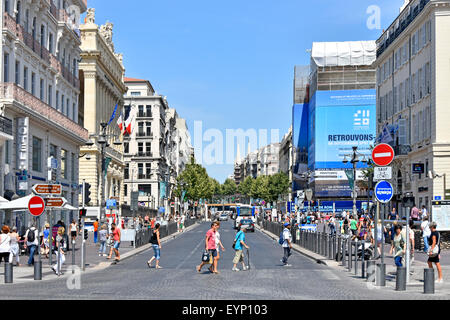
[[382, 155], [36, 206]]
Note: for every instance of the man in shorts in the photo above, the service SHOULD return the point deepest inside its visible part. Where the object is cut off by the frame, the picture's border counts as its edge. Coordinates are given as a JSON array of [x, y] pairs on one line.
[[210, 245], [239, 255]]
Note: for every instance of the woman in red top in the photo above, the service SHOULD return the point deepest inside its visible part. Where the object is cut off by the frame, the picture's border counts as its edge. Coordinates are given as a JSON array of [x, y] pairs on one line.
[[115, 233]]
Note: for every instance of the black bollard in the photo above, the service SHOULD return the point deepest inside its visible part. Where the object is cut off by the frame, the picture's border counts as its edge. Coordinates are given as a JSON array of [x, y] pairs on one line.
[[400, 279], [8, 272], [38, 270], [428, 281]]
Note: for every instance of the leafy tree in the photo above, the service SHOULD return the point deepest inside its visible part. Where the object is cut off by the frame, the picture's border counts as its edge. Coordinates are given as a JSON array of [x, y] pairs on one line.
[[197, 183], [278, 185], [245, 186], [229, 187], [260, 188]]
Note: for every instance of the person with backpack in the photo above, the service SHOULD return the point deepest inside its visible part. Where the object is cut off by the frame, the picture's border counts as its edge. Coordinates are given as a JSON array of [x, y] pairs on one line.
[[286, 241], [32, 242], [239, 242]]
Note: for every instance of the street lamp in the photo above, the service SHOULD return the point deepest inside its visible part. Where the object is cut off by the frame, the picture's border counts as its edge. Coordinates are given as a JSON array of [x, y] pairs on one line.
[[354, 160], [308, 175]]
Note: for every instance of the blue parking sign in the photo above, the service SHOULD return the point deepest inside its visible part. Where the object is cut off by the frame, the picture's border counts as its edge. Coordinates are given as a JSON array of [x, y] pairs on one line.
[[384, 191]]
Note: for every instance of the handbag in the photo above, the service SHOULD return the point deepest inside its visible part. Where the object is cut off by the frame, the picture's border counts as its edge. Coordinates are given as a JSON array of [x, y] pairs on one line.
[[205, 256], [435, 252]]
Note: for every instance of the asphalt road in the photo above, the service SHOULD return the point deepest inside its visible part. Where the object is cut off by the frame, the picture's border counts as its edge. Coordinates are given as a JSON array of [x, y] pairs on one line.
[[267, 278]]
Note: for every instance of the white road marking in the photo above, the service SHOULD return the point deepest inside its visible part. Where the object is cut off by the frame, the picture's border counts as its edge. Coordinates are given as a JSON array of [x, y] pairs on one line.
[[382, 154], [190, 254], [32, 206]]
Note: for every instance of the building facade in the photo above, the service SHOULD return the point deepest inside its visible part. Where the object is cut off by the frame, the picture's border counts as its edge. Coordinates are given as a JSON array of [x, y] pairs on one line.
[[286, 158], [102, 89], [39, 93], [412, 98]]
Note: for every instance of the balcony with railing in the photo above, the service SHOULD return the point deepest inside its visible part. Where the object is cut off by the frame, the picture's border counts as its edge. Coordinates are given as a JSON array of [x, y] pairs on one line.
[[144, 154], [142, 114], [144, 176], [6, 125], [144, 134], [9, 23], [35, 105]]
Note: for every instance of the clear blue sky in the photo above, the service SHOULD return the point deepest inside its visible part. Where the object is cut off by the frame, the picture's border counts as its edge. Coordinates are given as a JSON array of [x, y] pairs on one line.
[[231, 63]]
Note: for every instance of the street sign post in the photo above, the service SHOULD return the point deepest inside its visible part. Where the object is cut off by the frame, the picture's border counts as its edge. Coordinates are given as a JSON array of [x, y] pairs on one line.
[[44, 189], [383, 154], [382, 173], [36, 206], [55, 202], [384, 191]]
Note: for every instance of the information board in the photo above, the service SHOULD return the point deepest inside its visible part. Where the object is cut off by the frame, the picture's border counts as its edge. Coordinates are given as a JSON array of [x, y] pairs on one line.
[[441, 215]]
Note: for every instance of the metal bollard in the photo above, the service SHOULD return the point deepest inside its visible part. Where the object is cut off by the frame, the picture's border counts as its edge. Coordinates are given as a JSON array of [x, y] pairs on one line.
[[363, 265], [330, 247], [370, 270], [350, 247], [380, 276], [317, 243], [8, 272], [38, 270], [356, 257], [400, 279], [339, 247], [428, 280], [335, 246]]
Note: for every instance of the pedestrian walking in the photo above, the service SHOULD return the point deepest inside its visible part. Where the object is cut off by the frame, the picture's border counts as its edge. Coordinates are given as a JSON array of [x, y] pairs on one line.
[[95, 230], [73, 230], [415, 213], [32, 242], [45, 239], [287, 244], [182, 221], [115, 234], [411, 243], [15, 238], [218, 244], [156, 245], [392, 215], [426, 233], [103, 236], [332, 226], [60, 255], [5, 244], [210, 246], [239, 242], [399, 245], [423, 213], [434, 252], [353, 227]]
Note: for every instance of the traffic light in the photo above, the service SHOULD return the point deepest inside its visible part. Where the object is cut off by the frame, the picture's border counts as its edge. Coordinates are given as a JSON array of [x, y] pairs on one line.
[[87, 193], [86, 234], [82, 213]]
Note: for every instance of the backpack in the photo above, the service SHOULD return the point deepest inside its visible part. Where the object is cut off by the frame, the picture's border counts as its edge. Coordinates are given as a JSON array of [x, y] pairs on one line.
[[281, 239], [31, 236]]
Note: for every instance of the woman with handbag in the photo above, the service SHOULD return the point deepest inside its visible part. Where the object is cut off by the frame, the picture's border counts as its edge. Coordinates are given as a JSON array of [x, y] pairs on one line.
[[156, 245], [14, 246], [435, 250]]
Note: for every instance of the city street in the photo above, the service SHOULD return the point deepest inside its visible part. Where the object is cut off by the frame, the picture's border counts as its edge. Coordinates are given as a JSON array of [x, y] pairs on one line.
[[267, 278]]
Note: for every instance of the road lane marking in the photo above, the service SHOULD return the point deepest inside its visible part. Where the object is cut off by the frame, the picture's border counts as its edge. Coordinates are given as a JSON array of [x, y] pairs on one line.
[[190, 254]]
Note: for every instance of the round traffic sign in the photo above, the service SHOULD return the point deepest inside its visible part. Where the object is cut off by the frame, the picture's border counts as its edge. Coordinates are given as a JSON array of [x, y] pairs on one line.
[[384, 191], [383, 154], [36, 206]]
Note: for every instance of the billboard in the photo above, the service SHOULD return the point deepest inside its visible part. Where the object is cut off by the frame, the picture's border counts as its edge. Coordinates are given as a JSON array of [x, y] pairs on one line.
[[340, 120]]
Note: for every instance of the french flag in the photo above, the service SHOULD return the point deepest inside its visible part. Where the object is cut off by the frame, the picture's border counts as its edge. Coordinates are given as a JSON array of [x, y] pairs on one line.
[[120, 123], [127, 128]]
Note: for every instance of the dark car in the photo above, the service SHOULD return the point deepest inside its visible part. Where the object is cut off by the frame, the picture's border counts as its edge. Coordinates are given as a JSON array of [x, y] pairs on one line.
[[248, 224]]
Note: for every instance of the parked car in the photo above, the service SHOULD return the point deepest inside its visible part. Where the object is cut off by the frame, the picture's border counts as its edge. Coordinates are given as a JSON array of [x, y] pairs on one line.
[[248, 224], [223, 217]]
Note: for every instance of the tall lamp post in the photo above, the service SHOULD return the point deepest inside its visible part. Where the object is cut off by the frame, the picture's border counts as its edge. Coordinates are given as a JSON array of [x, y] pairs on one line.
[[102, 140], [308, 175], [354, 160]]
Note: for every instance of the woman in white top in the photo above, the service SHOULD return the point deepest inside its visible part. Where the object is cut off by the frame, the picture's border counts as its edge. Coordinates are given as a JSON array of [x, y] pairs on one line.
[[5, 244], [218, 243], [14, 246], [73, 230]]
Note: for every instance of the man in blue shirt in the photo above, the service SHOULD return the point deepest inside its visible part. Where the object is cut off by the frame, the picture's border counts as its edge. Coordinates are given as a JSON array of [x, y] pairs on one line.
[[239, 256]]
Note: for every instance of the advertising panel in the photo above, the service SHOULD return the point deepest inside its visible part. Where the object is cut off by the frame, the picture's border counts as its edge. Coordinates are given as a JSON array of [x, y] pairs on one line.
[[340, 120], [299, 141], [335, 184]]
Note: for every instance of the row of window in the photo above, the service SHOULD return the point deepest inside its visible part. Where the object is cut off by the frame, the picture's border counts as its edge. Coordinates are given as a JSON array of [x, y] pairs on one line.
[[421, 125], [145, 190], [144, 171], [402, 55], [409, 92], [39, 161], [27, 81], [141, 146]]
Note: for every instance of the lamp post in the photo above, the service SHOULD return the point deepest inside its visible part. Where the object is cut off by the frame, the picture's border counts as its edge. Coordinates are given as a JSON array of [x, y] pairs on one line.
[[308, 175], [102, 140], [354, 160]]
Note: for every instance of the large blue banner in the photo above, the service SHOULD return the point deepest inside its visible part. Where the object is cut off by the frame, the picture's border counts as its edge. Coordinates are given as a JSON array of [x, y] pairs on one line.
[[300, 116], [340, 120]]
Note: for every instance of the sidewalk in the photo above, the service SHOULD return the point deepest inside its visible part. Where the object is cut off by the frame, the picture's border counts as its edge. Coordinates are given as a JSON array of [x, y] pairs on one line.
[[25, 274], [415, 284]]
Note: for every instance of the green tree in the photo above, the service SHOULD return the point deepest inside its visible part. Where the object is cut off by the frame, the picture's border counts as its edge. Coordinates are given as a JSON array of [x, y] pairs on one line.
[[229, 187], [197, 183], [278, 185], [245, 186], [260, 188]]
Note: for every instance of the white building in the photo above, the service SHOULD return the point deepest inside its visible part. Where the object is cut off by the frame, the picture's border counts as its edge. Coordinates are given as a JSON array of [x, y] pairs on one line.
[[413, 82], [39, 90]]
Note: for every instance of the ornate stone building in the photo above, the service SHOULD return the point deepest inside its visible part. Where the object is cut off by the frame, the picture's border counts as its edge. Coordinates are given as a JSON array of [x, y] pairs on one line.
[[102, 88]]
